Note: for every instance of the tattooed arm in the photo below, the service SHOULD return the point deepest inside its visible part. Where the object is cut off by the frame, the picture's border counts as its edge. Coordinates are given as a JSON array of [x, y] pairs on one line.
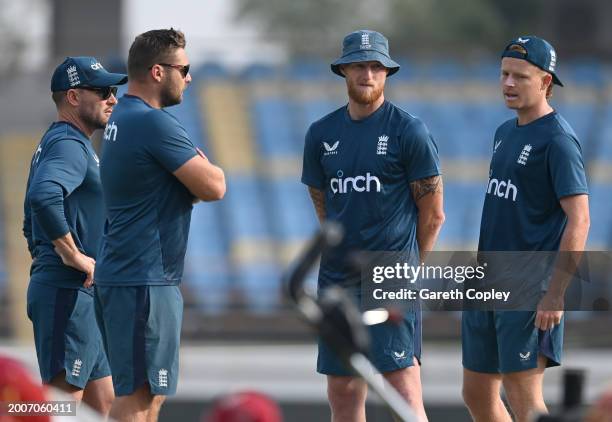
[[318, 200], [427, 194]]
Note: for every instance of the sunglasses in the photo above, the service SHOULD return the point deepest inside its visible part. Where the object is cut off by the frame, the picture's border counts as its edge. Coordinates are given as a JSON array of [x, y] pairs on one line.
[[104, 93], [184, 69]]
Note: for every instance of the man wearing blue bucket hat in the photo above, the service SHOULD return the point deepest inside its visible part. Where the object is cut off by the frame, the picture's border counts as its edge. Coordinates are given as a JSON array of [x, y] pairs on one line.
[[373, 168], [64, 218], [536, 200]]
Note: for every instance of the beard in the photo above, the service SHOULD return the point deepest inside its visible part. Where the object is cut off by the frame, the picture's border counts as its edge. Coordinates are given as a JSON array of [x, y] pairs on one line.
[[170, 95], [362, 96], [94, 119]]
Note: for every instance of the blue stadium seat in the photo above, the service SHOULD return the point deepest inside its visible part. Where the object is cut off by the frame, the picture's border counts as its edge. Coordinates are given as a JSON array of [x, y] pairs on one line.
[[210, 70], [273, 121], [236, 245], [310, 111], [447, 124], [188, 113], [584, 72], [251, 242], [463, 208], [206, 265], [600, 234], [581, 117], [440, 71], [482, 120], [260, 72], [407, 72], [207, 271], [294, 214], [310, 70], [261, 286], [244, 208], [602, 144], [485, 71]]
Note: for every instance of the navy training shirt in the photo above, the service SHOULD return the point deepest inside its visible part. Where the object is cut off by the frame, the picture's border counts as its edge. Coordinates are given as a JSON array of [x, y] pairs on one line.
[[63, 195], [365, 168], [148, 208], [532, 168]]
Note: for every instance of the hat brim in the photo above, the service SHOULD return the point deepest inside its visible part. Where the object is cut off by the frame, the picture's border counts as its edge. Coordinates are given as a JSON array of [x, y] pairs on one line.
[[109, 79], [518, 55], [365, 56], [556, 80]]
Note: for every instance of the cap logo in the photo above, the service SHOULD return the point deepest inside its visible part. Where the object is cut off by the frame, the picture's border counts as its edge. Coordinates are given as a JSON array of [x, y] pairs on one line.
[[522, 40], [96, 66], [73, 76], [553, 60], [365, 41]]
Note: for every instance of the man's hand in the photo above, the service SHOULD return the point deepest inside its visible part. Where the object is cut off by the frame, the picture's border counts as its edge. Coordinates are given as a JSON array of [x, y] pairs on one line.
[[550, 308], [72, 257], [550, 311]]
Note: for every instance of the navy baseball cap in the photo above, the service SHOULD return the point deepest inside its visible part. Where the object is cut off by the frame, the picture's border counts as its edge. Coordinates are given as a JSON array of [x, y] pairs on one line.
[[539, 52], [365, 46], [75, 72]]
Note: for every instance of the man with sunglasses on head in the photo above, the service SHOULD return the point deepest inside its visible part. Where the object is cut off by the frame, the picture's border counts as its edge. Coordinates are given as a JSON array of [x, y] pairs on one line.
[[64, 219], [153, 175]]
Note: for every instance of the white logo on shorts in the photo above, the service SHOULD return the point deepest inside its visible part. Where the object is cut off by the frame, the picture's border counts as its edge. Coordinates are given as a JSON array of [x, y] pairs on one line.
[[76, 367], [401, 355], [524, 356], [163, 378]]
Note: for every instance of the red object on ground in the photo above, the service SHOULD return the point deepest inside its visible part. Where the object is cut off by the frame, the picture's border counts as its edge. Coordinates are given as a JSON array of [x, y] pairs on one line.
[[16, 385], [247, 406]]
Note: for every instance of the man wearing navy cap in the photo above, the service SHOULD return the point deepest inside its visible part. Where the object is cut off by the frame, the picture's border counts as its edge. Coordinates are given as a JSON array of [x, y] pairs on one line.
[[64, 218], [373, 168], [536, 200]]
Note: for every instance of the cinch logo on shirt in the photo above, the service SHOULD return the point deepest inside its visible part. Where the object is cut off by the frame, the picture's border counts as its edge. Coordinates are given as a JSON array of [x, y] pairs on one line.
[[110, 132], [502, 189], [357, 183]]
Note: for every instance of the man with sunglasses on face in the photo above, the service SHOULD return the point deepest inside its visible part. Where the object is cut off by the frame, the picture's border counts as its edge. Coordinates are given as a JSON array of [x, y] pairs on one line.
[[64, 219], [153, 176]]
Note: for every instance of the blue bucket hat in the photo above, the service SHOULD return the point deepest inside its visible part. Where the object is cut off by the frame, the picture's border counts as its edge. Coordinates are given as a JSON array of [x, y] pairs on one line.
[[539, 53], [75, 72], [365, 46]]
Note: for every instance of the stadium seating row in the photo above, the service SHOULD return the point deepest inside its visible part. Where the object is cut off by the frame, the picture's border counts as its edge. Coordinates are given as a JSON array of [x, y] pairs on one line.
[[253, 125], [255, 132]]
